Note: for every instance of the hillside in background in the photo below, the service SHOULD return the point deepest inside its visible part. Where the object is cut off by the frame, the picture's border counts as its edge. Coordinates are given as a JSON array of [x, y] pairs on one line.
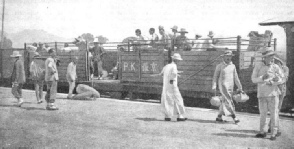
[[30, 35]]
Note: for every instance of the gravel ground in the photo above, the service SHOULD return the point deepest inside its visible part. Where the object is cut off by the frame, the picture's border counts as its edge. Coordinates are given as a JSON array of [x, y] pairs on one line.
[[111, 123]]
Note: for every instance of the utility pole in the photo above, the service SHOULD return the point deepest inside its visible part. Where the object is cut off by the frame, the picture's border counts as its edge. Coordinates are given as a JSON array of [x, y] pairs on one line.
[[2, 32]]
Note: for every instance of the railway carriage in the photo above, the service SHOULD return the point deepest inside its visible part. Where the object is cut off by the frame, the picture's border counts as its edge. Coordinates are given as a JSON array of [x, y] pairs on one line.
[[136, 64]]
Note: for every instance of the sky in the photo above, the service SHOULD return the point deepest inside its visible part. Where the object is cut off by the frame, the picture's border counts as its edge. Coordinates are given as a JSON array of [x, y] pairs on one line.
[[118, 19]]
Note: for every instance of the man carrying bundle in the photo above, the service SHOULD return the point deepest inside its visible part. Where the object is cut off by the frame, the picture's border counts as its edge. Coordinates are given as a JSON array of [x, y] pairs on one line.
[[225, 77]]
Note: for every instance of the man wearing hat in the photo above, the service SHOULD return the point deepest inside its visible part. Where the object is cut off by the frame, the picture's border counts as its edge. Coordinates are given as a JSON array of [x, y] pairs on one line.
[[208, 43], [164, 41], [97, 52], [37, 74], [51, 78], [40, 47], [268, 76], [225, 77], [174, 35], [282, 87], [18, 77], [182, 42], [171, 98], [197, 44]]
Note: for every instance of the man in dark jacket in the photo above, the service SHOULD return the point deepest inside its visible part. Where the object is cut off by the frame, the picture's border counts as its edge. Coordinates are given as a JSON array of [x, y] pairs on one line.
[[18, 77]]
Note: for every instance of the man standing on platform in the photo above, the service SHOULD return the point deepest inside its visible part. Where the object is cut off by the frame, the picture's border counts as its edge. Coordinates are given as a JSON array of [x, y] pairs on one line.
[[51, 78], [18, 77], [71, 76], [225, 77], [268, 76], [171, 98]]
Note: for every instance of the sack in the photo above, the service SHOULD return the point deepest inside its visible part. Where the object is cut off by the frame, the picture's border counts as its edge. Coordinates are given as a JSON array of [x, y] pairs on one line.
[[241, 97], [215, 101]]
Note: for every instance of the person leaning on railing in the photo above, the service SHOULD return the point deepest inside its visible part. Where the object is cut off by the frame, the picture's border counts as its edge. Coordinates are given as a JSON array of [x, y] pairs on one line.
[[164, 42], [182, 42]]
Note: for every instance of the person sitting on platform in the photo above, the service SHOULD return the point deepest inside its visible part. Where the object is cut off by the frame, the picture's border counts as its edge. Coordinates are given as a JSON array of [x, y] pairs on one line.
[[85, 92]]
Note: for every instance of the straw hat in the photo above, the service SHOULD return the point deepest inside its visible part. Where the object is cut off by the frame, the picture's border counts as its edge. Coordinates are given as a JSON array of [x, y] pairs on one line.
[[174, 27], [183, 30], [15, 54], [268, 52], [228, 53], [177, 56], [210, 34]]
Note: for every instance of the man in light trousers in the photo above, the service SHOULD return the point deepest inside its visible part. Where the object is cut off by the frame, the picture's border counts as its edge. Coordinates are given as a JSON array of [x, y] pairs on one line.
[[267, 75], [18, 77], [71, 76], [51, 78]]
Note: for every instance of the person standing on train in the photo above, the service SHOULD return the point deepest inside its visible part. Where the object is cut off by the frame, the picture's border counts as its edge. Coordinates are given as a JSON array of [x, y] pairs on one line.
[[225, 77], [71, 76], [182, 42], [98, 53], [208, 43], [153, 37], [197, 44], [38, 76], [164, 40], [174, 36], [51, 78], [18, 77], [282, 87], [171, 98], [268, 76]]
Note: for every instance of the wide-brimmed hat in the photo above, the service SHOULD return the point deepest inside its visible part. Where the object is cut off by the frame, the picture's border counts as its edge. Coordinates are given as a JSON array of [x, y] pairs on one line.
[[210, 34], [174, 27], [198, 35], [228, 53], [183, 30], [177, 56], [268, 52], [15, 54]]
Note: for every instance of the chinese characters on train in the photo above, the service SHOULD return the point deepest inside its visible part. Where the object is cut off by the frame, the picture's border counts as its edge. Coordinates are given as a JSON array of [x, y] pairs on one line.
[[145, 66]]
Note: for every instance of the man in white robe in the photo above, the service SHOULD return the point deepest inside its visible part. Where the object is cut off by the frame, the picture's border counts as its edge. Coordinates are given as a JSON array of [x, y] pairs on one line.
[[171, 98]]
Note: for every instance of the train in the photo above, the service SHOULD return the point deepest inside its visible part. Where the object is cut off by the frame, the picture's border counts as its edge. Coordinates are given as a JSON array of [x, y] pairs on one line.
[[137, 62]]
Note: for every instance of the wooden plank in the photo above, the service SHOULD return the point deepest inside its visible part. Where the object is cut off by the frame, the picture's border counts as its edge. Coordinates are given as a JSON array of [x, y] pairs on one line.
[[204, 53], [199, 58], [202, 63]]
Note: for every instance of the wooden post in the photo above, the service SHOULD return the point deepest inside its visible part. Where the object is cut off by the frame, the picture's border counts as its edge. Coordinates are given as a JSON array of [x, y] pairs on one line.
[[88, 74], [56, 47], [238, 53], [1, 64], [128, 46], [275, 44]]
